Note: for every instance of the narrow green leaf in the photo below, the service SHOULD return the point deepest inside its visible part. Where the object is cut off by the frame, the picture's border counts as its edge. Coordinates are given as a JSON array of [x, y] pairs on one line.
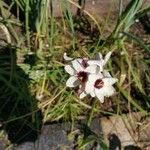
[[138, 40]]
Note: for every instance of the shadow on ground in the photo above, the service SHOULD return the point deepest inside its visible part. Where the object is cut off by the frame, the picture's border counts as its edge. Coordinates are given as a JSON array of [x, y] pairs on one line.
[[115, 144], [18, 108]]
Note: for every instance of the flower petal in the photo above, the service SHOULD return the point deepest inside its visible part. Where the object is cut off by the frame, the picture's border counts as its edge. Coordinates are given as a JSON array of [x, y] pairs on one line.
[[107, 57], [77, 66], [99, 63], [93, 77], [109, 81], [92, 94], [110, 91], [92, 69], [89, 89], [93, 62], [98, 56], [107, 90], [72, 82], [99, 95], [106, 74], [67, 58], [82, 95], [70, 70]]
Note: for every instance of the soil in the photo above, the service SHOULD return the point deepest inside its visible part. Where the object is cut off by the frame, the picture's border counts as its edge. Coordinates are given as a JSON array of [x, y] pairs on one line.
[[55, 136]]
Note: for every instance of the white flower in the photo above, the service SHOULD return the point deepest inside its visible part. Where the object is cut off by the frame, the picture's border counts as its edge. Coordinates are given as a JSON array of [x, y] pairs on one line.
[[81, 91], [90, 77], [100, 85], [79, 71], [100, 61], [67, 58], [83, 61]]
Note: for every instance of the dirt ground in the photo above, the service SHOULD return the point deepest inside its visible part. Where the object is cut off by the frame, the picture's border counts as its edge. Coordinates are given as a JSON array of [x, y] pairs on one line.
[[98, 8]]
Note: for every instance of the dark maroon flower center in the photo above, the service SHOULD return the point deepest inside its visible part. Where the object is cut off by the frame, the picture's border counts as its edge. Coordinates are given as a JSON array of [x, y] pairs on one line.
[[82, 76], [99, 83]]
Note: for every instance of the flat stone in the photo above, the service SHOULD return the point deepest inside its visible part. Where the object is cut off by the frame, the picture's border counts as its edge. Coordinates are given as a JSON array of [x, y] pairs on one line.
[[55, 137], [126, 130]]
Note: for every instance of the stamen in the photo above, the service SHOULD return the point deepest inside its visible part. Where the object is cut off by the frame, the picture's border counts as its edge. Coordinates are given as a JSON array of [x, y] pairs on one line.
[[82, 76], [99, 83]]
